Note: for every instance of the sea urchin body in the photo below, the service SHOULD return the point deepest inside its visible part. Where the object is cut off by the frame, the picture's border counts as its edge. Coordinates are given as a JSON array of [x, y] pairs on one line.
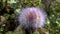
[[32, 17]]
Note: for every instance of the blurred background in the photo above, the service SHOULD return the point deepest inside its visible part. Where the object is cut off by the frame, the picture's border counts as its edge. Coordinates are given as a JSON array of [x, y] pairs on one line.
[[9, 10]]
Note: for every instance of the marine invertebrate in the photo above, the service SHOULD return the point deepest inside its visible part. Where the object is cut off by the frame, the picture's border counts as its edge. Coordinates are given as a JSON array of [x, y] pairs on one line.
[[32, 18]]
